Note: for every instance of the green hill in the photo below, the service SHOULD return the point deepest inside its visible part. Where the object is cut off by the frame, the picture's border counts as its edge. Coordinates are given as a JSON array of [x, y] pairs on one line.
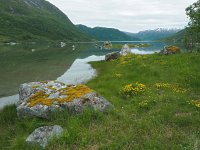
[[22, 20], [106, 34], [178, 37]]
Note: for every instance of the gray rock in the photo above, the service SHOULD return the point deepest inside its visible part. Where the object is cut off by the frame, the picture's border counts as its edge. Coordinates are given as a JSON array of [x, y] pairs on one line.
[[91, 100], [25, 91], [41, 99], [125, 50], [42, 111], [112, 56], [42, 135], [62, 44]]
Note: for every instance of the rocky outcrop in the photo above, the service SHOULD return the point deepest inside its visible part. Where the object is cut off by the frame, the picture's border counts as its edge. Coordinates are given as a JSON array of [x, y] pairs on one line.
[[41, 99], [112, 56], [42, 135], [125, 50], [170, 50]]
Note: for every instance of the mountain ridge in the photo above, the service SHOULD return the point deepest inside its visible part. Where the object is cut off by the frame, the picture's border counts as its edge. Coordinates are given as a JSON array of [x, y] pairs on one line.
[[178, 37], [106, 34], [22, 20], [156, 34]]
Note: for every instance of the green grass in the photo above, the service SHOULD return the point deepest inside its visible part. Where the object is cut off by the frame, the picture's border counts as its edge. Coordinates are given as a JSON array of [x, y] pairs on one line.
[[168, 121]]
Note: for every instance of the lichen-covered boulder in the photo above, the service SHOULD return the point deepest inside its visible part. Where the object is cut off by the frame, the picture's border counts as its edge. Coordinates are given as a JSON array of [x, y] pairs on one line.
[[125, 50], [41, 99], [42, 135], [112, 56], [170, 50]]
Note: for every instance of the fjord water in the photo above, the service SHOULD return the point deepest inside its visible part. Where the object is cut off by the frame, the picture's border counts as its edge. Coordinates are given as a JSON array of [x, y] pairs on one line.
[[23, 63]]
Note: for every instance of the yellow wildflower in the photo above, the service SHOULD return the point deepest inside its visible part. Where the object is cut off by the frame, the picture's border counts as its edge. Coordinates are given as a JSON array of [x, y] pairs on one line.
[[133, 89]]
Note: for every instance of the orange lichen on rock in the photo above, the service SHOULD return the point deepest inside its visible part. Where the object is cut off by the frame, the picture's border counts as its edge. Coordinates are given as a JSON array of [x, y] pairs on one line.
[[40, 97], [35, 86], [51, 88], [74, 93], [173, 49], [71, 93]]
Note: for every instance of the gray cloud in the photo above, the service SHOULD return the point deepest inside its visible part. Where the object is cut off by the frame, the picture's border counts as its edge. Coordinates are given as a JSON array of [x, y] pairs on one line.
[[126, 15]]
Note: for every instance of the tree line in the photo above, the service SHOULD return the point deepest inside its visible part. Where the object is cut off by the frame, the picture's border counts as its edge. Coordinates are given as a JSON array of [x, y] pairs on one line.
[[192, 37]]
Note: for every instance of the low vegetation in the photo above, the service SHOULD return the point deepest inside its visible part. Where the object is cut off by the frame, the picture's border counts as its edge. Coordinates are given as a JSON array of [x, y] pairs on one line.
[[156, 106]]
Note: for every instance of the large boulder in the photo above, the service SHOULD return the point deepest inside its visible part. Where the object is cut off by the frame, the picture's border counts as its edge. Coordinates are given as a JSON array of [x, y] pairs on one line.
[[112, 56], [41, 136], [125, 50], [170, 50], [41, 99]]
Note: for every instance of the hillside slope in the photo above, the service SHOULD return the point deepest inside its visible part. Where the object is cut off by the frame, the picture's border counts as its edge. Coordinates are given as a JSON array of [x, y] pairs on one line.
[[106, 34], [178, 37], [35, 19]]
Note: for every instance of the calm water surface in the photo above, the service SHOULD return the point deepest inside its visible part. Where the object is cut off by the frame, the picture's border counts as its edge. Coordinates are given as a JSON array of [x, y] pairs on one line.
[[31, 62]]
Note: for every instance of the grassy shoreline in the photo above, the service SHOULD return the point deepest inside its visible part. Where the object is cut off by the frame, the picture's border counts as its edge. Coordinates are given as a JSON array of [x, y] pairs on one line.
[[161, 116]]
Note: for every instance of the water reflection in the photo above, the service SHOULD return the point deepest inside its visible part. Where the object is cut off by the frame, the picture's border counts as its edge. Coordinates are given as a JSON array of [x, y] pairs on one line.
[[31, 62]]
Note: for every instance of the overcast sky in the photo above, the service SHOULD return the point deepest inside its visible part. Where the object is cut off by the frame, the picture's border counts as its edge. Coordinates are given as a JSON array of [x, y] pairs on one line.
[[126, 15]]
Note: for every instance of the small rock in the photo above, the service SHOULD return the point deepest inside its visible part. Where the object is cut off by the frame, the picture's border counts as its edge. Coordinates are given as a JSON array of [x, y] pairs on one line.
[[42, 135], [62, 44]]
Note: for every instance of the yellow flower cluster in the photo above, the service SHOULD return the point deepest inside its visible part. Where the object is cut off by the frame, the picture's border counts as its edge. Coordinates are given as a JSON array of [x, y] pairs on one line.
[[162, 85], [195, 103], [173, 87], [179, 90], [133, 89]]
